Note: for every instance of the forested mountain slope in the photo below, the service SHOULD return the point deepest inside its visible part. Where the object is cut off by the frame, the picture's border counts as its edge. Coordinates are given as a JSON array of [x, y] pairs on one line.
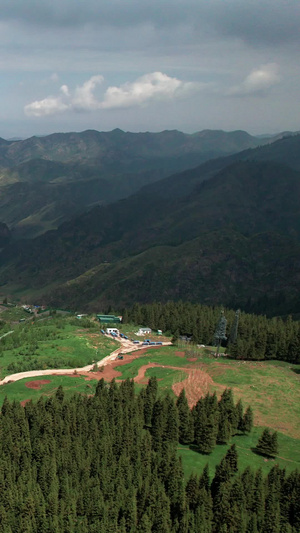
[[233, 238], [46, 180]]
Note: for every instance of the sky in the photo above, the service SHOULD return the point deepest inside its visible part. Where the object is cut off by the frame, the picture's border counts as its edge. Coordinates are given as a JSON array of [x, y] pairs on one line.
[[149, 65]]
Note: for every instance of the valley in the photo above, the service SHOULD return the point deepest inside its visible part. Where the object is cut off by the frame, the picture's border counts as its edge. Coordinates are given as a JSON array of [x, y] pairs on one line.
[[222, 217]]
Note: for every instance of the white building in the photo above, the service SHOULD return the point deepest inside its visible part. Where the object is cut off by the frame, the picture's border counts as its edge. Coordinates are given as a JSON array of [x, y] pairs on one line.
[[144, 331], [112, 330]]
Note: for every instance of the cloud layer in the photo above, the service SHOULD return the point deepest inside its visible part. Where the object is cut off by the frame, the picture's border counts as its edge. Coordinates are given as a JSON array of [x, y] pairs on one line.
[[147, 88], [252, 21], [258, 82], [219, 60]]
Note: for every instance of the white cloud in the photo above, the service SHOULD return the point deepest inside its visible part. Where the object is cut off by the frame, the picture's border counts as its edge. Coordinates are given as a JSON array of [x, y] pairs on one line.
[[84, 96], [153, 86], [45, 107], [65, 90], [257, 82], [82, 100]]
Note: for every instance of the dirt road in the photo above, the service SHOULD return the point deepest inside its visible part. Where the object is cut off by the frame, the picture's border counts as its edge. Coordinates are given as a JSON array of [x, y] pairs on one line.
[[126, 346]]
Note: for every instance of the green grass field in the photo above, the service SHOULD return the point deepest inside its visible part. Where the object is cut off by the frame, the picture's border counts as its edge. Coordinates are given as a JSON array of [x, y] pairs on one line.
[[71, 384], [271, 388], [13, 314], [59, 343], [288, 457]]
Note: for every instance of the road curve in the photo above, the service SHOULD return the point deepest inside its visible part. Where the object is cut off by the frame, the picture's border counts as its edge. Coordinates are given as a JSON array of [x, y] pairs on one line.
[[126, 347]]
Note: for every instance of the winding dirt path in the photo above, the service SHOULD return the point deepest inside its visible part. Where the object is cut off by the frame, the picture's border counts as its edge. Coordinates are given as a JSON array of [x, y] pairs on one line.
[[126, 346], [197, 383]]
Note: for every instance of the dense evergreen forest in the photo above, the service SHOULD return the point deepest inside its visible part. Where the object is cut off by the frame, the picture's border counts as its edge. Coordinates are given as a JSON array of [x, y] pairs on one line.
[[253, 337], [109, 463]]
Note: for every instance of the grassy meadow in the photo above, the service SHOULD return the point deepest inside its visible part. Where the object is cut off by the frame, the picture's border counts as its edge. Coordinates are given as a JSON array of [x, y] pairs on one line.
[[54, 342], [71, 384], [271, 388]]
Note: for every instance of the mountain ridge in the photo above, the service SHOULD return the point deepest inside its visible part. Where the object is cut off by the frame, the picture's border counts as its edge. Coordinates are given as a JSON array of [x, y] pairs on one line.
[[253, 203], [121, 162]]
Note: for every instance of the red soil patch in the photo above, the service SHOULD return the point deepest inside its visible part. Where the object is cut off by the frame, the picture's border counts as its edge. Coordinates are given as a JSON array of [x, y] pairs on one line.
[[37, 384], [109, 372], [24, 402], [180, 354], [192, 359], [196, 385], [142, 371]]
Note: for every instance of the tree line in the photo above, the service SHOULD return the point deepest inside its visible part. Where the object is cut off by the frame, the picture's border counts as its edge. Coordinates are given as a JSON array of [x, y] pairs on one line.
[[108, 463], [255, 337]]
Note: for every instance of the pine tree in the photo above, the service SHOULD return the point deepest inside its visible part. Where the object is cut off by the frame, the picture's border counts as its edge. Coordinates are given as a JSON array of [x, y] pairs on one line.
[[220, 333], [232, 459], [192, 492], [185, 419], [267, 443], [234, 329], [247, 422], [239, 414]]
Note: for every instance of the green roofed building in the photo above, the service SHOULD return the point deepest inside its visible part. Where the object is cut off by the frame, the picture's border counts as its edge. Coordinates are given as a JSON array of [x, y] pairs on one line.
[[109, 319]]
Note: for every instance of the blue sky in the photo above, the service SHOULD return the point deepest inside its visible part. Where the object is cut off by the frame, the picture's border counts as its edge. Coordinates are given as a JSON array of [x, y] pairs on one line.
[[149, 65]]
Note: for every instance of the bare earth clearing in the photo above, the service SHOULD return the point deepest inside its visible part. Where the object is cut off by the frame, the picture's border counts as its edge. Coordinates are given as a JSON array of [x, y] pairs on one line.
[[37, 384]]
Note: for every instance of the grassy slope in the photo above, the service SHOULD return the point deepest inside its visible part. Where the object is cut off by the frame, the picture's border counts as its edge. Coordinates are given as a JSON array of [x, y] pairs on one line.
[[272, 389], [73, 347], [289, 455], [71, 384]]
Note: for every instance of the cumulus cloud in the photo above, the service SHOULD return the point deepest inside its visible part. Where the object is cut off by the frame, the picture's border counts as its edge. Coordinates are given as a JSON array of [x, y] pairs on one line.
[[83, 99], [257, 82], [48, 106], [154, 86], [147, 88]]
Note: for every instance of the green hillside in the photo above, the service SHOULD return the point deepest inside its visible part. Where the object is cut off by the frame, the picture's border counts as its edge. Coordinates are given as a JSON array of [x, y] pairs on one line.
[[44, 181], [233, 236]]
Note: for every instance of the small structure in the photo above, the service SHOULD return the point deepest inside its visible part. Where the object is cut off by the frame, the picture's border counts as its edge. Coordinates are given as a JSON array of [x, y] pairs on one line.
[[144, 331], [159, 332], [185, 338], [109, 319], [80, 316], [109, 331]]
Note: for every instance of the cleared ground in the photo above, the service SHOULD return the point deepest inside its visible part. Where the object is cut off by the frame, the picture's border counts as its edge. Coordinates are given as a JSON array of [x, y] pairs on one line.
[[271, 388]]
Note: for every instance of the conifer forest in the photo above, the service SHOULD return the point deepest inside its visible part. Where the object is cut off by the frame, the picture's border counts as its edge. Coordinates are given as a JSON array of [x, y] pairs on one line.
[[258, 338], [108, 463]]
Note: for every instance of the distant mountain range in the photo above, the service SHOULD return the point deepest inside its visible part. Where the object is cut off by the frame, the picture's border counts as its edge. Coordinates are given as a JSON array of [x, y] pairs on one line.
[[227, 231], [46, 180]]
